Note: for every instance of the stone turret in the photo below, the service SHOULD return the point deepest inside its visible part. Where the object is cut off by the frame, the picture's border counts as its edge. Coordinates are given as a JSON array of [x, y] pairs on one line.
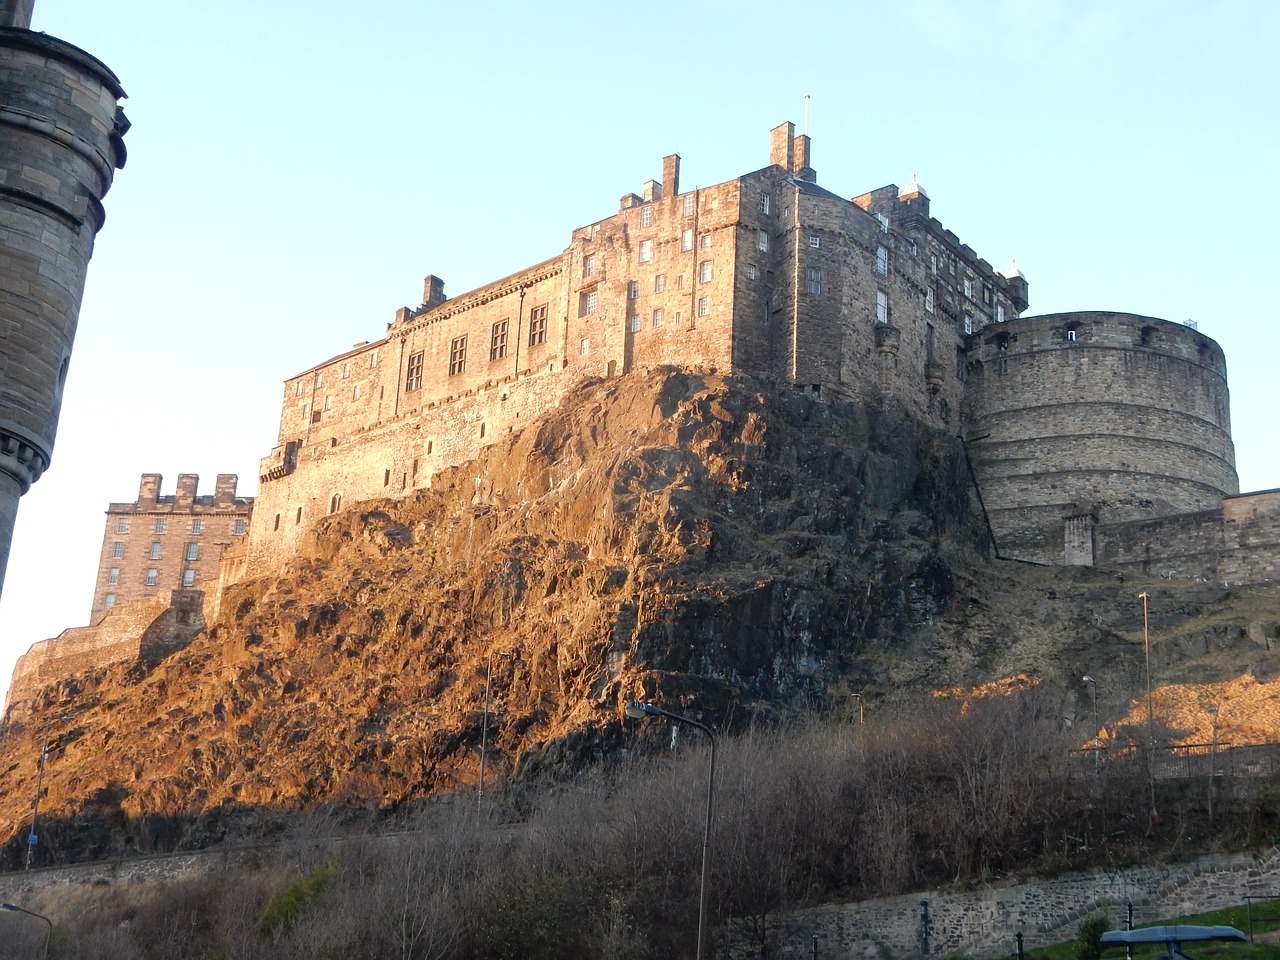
[[61, 142]]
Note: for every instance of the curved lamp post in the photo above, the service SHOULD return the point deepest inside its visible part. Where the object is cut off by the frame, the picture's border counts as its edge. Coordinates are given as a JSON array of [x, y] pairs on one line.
[[638, 711], [1097, 740], [31, 913]]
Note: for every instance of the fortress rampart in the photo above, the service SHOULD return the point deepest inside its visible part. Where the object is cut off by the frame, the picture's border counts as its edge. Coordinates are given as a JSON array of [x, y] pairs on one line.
[[60, 144]]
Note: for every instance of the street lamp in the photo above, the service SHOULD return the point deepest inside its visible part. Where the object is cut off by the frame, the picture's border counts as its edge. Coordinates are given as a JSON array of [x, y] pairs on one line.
[[31, 913], [858, 697], [1096, 728], [638, 711], [484, 724]]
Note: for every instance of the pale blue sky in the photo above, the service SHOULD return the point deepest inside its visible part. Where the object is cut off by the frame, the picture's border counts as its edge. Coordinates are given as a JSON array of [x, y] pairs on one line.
[[295, 170]]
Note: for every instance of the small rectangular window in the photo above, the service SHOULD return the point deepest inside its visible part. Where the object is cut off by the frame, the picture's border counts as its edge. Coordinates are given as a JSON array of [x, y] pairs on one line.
[[193, 551], [646, 251], [108, 601], [633, 290], [646, 216], [813, 281], [633, 323], [498, 340], [704, 241], [680, 282], [239, 528], [196, 526], [355, 391], [538, 325], [686, 240], [703, 307], [346, 371], [584, 346], [591, 303], [751, 271], [373, 359], [328, 403], [933, 264], [968, 324], [884, 222], [155, 551], [688, 205], [968, 287], [815, 241], [704, 271], [928, 300], [882, 306], [657, 318], [762, 240], [188, 577], [113, 576], [117, 550], [159, 526], [588, 265], [152, 576], [457, 355], [882, 261], [297, 389], [999, 313], [659, 283], [764, 202], [413, 373]]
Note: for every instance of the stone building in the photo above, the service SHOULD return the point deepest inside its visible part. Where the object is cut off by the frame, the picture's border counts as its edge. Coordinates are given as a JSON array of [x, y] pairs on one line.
[[60, 143], [767, 274], [160, 544]]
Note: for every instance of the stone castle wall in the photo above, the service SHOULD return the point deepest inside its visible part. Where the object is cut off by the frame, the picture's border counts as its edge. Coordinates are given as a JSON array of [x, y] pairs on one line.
[[1120, 417]]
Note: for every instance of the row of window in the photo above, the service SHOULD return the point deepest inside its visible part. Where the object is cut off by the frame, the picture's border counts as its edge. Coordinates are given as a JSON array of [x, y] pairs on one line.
[[498, 343], [192, 551], [318, 379], [688, 206], [656, 319], [151, 579], [197, 526]]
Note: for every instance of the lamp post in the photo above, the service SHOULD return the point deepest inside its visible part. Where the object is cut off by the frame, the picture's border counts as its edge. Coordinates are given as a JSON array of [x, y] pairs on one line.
[[31, 913], [1096, 745], [1151, 737], [32, 837], [484, 723], [637, 711], [858, 697]]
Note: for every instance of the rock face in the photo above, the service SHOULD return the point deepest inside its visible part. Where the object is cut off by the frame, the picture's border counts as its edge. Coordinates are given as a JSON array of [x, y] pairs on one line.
[[709, 543]]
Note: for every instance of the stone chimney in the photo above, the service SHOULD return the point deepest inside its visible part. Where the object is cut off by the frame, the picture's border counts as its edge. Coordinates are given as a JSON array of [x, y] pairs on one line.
[[149, 489], [187, 484], [671, 174], [432, 292], [652, 191], [16, 13], [800, 157], [782, 145], [224, 494]]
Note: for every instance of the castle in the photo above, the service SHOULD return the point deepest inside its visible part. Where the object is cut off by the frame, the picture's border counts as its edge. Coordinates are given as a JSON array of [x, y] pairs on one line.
[[61, 140], [1077, 424]]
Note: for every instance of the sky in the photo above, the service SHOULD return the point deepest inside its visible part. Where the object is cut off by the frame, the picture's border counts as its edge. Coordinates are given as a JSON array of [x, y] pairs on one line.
[[296, 169]]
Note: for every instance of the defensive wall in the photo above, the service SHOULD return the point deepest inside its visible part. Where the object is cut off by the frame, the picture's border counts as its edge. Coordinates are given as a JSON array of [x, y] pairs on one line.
[[1100, 418], [60, 143]]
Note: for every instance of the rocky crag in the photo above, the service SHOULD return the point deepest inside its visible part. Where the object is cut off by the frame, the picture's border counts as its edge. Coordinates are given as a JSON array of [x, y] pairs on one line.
[[708, 542]]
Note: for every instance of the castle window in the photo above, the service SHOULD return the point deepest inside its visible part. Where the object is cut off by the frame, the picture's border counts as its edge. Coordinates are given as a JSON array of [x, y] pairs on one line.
[[108, 601], [657, 318], [646, 251], [968, 323], [355, 392], [584, 347], [884, 222], [882, 261], [633, 290], [588, 265], [413, 375], [677, 318], [646, 216], [686, 240], [196, 525], [346, 371], [297, 389], [113, 576], [815, 241], [152, 576], [688, 205], [928, 300], [999, 313], [335, 502], [160, 526], [188, 577], [457, 355], [1146, 336], [122, 525], [705, 241], [704, 271], [751, 271], [764, 202], [634, 323], [1002, 343], [193, 551], [1071, 335], [968, 287], [373, 359], [155, 551], [328, 403], [498, 341], [588, 302], [680, 282], [306, 410], [813, 281], [315, 416], [238, 529], [882, 307], [703, 307], [538, 325], [117, 550], [762, 241], [933, 264], [659, 283]]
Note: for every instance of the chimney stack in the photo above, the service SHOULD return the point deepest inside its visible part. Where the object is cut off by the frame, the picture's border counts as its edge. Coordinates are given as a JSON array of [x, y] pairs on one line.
[[782, 145], [671, 174]]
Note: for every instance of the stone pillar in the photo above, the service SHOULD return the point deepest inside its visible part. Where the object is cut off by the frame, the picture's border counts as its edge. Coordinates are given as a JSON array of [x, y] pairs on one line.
[[888, 340], [60, 143], [1077, 540]]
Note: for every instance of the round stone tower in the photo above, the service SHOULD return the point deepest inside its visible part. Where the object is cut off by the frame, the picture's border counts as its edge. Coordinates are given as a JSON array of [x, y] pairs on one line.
[[1084, 418], [60, 144]]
